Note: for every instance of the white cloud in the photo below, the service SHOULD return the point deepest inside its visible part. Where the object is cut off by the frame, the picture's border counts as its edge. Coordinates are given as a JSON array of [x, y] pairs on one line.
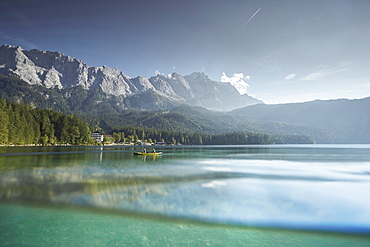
[[173, 67], [237, 81], [169, 76], [289, 77], [326, 71], [314, 76]]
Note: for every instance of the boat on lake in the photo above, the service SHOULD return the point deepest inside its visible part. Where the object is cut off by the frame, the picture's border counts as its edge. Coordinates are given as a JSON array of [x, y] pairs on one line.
[[142, 153]]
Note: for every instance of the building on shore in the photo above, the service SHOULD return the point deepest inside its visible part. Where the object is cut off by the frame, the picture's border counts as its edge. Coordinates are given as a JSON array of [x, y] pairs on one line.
[[97, 136]]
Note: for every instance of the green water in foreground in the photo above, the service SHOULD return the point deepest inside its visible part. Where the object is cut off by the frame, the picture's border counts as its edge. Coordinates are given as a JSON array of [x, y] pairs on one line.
[[25, 225], [307, 195]]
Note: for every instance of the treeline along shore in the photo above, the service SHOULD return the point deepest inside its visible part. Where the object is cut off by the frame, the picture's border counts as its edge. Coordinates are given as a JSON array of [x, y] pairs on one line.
[[23, 125], [150, 135]]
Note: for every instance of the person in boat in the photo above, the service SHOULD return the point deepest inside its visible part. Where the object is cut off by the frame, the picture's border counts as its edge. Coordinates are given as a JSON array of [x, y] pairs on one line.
[[153, 151], [144, 151]]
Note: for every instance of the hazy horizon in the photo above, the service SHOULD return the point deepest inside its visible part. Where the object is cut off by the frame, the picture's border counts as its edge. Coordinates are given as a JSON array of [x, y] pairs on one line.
[[276, 51]]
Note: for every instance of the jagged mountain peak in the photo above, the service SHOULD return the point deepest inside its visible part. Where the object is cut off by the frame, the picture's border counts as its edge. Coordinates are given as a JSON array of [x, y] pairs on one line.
[[197, 75], [11, 47], [175, 76], [57, 70], [47, 59], [159, 76]]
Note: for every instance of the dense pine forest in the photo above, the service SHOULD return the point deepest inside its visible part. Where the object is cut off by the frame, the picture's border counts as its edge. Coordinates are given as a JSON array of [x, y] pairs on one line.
[[21, 124], [133, 134]]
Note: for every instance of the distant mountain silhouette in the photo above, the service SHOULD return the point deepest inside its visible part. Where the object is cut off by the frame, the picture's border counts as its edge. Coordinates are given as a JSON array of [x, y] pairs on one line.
[[348, 119]]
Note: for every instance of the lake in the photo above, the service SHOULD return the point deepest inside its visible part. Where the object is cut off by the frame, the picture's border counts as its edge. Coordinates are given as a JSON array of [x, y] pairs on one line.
[[263, 195]]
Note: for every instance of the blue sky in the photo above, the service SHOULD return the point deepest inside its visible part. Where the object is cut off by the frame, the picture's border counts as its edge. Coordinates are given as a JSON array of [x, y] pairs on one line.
[[286, 51]]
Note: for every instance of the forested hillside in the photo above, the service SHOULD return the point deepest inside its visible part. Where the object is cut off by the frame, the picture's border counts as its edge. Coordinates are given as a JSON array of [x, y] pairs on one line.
[[132, 134], [188, 119], [345, 121], [336, 121], [21, 124]]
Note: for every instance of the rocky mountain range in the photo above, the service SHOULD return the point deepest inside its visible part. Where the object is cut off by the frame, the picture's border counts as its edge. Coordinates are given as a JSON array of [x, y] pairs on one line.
[[107, 98], [54, 70]]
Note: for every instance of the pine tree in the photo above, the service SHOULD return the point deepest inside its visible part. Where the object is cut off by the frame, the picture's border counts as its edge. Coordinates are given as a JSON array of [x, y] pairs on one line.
[[4, 122]]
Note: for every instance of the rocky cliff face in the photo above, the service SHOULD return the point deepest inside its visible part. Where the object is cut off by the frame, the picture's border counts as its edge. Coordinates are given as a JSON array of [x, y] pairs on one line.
[[56, 70]]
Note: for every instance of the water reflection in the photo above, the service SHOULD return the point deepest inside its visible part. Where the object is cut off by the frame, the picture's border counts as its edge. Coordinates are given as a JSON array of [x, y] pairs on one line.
[[218, 185]]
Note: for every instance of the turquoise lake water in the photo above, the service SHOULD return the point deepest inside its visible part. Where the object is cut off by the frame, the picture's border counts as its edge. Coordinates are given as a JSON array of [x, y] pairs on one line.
[[280, 195]]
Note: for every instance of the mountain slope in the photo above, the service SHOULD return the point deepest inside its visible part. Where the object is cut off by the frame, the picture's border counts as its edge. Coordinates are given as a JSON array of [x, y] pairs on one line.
[[53, 80], [348, 119], [216, 95], [350, 125], [192, 119], [55, 70]]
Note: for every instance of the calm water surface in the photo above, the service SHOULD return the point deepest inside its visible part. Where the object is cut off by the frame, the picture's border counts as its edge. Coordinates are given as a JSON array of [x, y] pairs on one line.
[[281, 195]]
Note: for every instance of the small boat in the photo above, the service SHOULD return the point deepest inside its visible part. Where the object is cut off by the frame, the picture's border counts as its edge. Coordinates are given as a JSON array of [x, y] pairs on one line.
[[141, 153]]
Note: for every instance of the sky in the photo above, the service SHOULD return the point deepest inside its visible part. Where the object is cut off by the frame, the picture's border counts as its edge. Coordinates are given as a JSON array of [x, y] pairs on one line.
[[278, 51]]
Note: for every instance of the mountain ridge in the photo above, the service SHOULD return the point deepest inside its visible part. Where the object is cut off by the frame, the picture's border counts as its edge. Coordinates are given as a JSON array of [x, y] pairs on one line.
[[335, 121], [175, 102], [348, 118], [59, 71]]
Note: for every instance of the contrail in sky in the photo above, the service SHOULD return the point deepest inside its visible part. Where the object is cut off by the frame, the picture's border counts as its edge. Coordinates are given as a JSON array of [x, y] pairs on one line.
[[255, 13]]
